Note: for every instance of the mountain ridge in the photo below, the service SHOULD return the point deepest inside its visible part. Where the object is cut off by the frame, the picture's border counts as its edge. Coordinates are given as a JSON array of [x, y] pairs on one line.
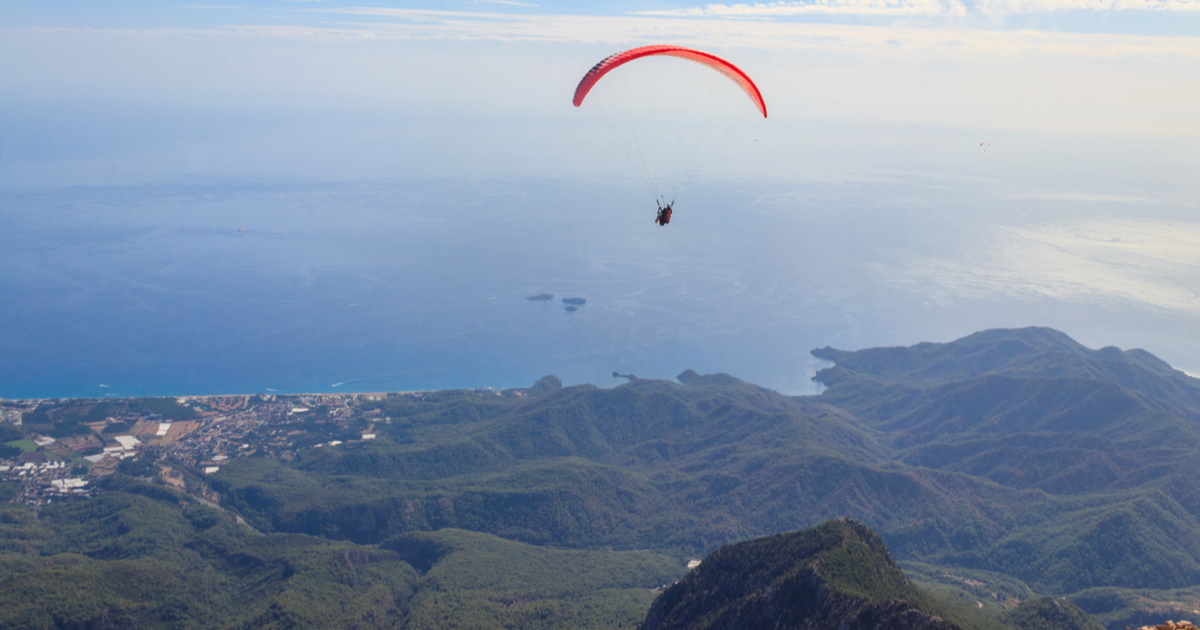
[[1026, 352]]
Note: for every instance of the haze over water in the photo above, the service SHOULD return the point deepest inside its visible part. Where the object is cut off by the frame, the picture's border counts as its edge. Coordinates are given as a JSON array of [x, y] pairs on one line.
[[229, 287]]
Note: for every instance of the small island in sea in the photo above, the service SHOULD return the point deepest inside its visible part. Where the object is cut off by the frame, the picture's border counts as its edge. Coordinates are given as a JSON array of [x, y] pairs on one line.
[[574, 301], [541, 297]]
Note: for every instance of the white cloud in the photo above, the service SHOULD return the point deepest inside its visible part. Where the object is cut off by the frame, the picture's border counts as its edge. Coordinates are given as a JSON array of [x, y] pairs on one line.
[[411, 24], [821, 7], [943, 8], [742, 31], [1085, 196], [1041, 6]]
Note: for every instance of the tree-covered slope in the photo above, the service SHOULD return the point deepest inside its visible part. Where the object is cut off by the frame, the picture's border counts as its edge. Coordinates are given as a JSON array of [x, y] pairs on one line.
[[140, 556], [836, 575], [476, 581], [1104, 438], [680, 466], [1049, 613]]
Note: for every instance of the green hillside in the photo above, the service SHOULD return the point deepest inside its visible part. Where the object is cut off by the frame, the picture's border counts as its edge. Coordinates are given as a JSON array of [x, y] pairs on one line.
[[145, 557], [838, 574]]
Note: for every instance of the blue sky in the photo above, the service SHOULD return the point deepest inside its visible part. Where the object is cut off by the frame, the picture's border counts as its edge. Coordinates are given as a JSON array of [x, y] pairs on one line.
[[1109, 16]]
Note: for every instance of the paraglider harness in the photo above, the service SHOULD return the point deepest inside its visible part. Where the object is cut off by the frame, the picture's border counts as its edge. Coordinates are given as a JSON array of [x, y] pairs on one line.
[[664, 213]]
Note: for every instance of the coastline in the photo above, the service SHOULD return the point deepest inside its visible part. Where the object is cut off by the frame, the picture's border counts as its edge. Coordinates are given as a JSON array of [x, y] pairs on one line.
[[330, 391]]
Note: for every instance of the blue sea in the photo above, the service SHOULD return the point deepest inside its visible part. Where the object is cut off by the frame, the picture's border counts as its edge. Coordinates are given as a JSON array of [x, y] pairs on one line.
[[224, 286]]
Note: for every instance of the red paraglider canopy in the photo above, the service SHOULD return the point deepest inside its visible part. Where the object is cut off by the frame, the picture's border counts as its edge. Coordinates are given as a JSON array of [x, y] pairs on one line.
[[708, 59]]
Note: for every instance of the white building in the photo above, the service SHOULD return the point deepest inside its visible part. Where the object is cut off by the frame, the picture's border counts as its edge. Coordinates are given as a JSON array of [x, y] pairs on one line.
[[127, 442], [67, 485]]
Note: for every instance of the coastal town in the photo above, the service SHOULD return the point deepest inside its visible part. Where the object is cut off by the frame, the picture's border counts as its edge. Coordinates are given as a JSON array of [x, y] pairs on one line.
[[57, 448]]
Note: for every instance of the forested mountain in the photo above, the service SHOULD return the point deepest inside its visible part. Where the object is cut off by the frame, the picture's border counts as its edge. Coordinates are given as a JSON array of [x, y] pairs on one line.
[[998, 468], [835, 575], [1098, 443], [838, 574]]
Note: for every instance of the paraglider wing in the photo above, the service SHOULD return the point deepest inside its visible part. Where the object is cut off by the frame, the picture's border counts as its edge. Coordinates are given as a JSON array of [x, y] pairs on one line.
[[707, 59], [668, 117]]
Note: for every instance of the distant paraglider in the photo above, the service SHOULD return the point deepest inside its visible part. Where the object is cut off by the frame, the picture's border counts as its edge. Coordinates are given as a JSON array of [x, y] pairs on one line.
[[985, 145], [668, 118]]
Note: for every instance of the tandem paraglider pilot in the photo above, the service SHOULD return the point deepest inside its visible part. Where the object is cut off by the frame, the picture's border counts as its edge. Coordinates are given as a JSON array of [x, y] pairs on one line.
[[664, 213]]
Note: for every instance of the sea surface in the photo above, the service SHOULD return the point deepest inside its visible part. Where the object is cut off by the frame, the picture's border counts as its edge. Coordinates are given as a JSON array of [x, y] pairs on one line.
[[228, 286]]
